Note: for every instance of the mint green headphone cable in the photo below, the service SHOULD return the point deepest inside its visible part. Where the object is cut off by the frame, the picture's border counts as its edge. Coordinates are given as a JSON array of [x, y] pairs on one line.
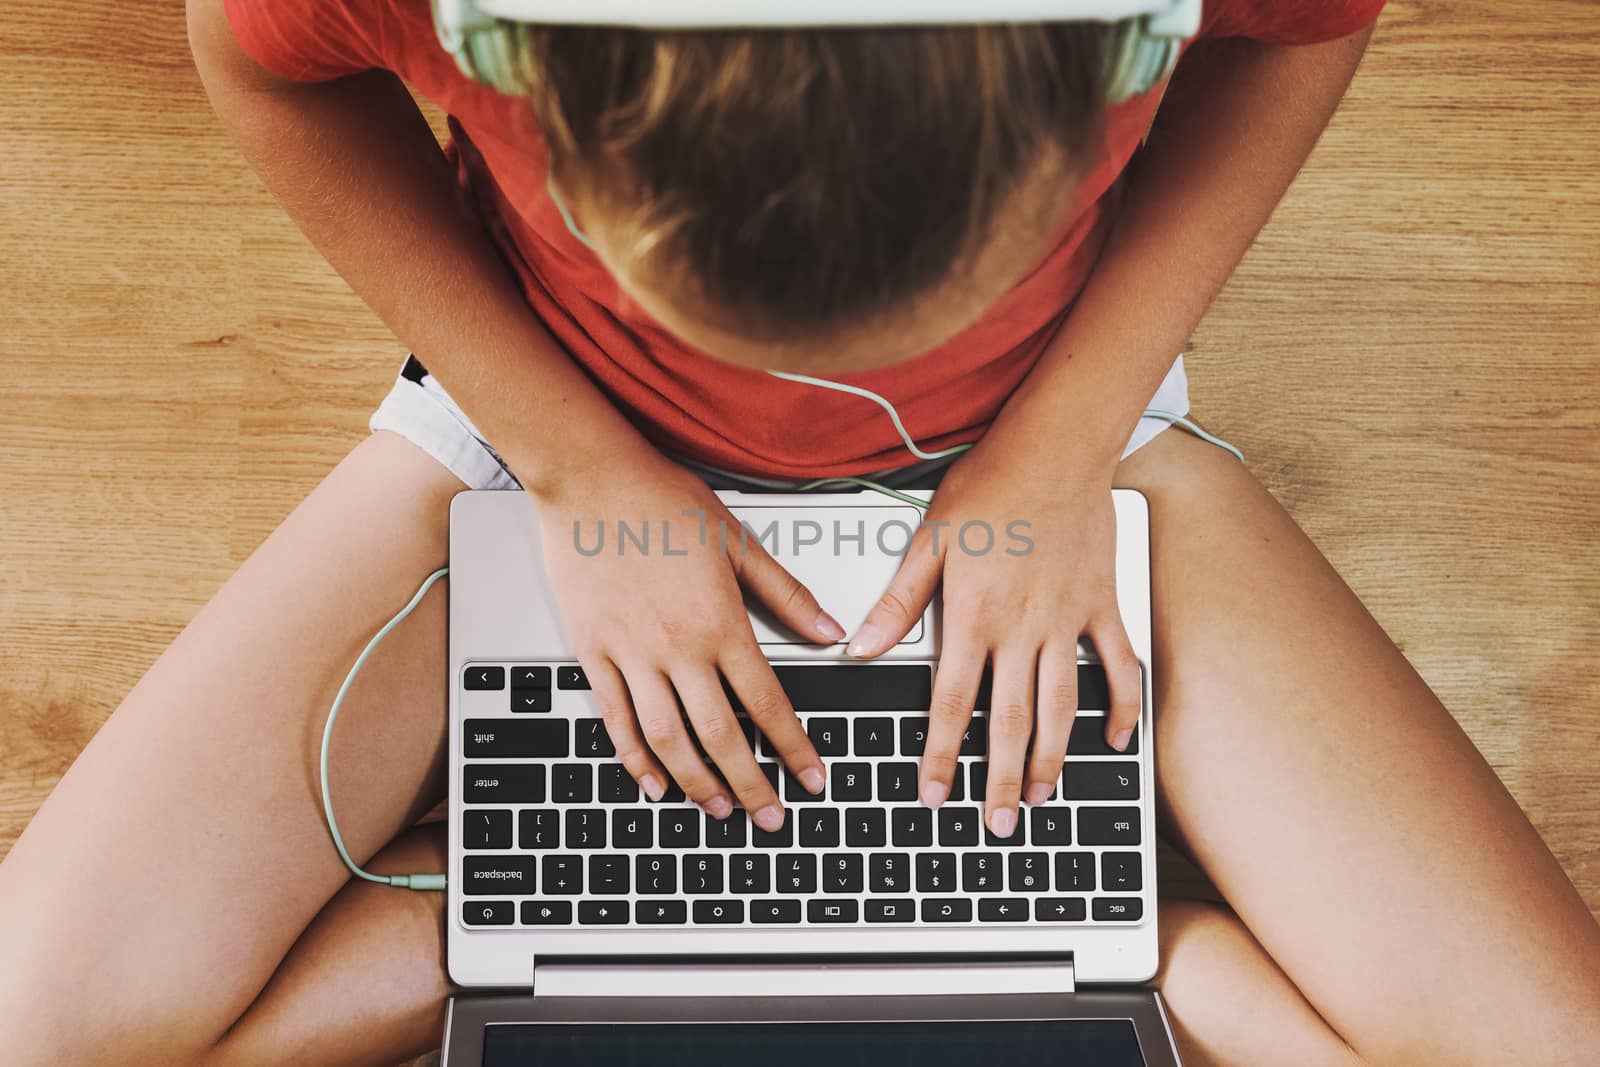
[[402, 881]]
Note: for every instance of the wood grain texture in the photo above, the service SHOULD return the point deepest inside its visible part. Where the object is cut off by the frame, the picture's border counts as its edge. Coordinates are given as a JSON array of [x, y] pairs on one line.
[[1407, 357]]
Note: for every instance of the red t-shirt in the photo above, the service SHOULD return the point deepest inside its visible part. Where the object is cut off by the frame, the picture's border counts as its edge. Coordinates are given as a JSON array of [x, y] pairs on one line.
[[686, 401]]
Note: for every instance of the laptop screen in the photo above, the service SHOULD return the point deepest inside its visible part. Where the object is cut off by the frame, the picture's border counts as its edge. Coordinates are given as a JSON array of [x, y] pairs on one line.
[[1087, 1042]]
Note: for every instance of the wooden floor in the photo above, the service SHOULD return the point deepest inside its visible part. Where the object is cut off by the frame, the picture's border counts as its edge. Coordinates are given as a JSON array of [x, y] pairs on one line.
[[1407, 357]]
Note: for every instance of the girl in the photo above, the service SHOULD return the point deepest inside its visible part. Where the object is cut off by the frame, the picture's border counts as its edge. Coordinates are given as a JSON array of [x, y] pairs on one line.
[[594, 277]]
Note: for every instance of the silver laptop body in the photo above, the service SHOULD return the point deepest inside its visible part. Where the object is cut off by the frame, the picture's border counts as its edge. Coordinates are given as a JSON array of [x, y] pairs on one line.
[[581, 941]]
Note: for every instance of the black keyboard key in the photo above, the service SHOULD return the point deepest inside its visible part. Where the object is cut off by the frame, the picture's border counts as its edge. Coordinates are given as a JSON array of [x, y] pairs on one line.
[[726, 833], [819, 828], [673, 794], [1030, 872], [1075, 872], [1003, 910], [956, 910], [515, 738], [539, 829], [1094, 691], [866, 828], [1121, 872], [718, 912], [572, 783], [748, 728], [661, 912], [502, 783], [841, 873], [1059, 910], [829, 736], [530, 677], [1118, 909], [852, 782], [874, 737], [1051, 825], [857, 687], [774, 911], [488, 913], [749, 874], [1088, 738], [913, 827], [702, 875], [1018, 838], [981, 873], [782, 837], [530, 700], [772, 771], [603, 912], [958, 785], [481, 678], [657, 875], [546, 912], [608, 875], [913, 735], [795, 793], [633, 828], [958, 827], [936, 872], [586, 829], [980, 781], [486, 829], [589, 738], [498, 875], [571, 678], [1108, 826], [1100, 780], [796, 872], [617, 785], [680, 828], [562, 875], [833, 911], [889, 872], [891, 910], [897, 781]]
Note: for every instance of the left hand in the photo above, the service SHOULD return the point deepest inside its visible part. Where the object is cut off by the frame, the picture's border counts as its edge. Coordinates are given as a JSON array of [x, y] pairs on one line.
[[1020, 609]]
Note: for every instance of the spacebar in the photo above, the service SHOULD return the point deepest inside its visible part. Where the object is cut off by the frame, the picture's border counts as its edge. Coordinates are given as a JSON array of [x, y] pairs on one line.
[[857, 687]]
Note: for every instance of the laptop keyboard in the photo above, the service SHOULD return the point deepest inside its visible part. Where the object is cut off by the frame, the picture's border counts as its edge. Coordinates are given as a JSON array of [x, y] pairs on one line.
[[555, 833]]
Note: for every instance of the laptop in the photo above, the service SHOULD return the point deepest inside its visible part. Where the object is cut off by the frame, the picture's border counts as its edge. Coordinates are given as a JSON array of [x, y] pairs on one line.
[[588, 925]]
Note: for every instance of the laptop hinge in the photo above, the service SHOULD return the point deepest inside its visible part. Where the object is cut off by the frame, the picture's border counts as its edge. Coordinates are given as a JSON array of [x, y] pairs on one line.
[[800, 977]]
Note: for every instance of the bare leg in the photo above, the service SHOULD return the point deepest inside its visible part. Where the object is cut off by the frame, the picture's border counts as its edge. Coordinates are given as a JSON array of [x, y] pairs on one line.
[[1335, 803], [184, 852]]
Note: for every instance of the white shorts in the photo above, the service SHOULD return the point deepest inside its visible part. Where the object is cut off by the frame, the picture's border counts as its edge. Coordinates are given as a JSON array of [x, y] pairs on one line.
[[418, 409]]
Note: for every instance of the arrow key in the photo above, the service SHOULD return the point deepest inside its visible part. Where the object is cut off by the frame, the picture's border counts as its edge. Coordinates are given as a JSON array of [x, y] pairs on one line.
[[1059, 910], [1003, 910]]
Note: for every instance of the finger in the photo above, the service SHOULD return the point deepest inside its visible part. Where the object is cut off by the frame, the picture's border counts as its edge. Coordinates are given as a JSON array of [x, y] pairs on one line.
[[1057, 697], [622, 725], [903, 603], [955, 689], [718, 729], [1122, 675], [751, 678], [784, 594], [661, 721], [1010, 726]]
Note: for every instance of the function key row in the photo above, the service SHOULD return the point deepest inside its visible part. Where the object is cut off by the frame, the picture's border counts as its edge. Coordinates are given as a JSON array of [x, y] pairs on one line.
[[575, 829], [823, 911]]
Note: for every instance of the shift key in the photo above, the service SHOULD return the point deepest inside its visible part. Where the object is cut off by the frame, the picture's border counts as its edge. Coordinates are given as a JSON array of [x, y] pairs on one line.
[[516, 737]]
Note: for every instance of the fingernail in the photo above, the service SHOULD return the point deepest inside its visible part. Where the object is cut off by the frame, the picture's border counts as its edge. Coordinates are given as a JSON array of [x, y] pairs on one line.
[[829, 627], [866, 640], [934, 794], [1038, 793], [769, 818], [652, 787], [719, 807], [812, 779], [1003, 822], [1120, 742]]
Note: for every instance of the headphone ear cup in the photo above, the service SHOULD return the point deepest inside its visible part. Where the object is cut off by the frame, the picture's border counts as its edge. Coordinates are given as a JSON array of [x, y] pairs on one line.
[[1137, 60], [493, 56]]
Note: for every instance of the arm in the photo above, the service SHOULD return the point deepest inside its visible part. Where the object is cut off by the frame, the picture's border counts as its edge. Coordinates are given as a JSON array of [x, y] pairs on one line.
[[356, 166], [1238, 120]]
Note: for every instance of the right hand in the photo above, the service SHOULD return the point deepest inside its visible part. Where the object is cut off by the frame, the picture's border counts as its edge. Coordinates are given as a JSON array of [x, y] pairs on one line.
[[657, 634]]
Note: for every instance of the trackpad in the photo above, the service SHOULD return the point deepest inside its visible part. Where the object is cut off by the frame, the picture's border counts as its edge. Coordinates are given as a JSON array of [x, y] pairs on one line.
[[846, 556]]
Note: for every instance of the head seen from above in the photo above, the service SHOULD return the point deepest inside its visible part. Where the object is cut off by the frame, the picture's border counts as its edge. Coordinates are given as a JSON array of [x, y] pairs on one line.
[[815, 200]]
